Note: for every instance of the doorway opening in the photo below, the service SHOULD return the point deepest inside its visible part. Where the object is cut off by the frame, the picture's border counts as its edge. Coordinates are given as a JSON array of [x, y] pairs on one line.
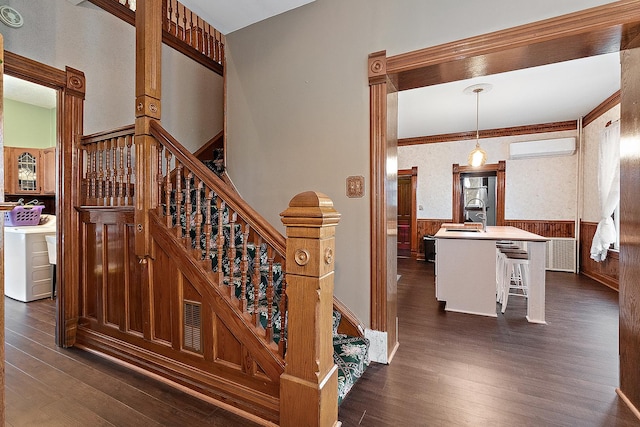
[[407, 215]]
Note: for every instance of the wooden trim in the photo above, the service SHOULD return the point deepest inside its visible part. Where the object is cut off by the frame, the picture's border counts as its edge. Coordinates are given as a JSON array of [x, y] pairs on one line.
[[116, 9], [605, 272], [127, 15], [598, 30], [70, 84], [629, 226], [378, 145], [27, 69], [604, 106], [490, 133], [107, 134], [546, 228], [204, 153], [499, 169]]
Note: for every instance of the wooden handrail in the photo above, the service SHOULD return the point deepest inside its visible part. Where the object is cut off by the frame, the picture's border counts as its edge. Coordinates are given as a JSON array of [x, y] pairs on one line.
[[107, 134], [250, 215], [206, 47]]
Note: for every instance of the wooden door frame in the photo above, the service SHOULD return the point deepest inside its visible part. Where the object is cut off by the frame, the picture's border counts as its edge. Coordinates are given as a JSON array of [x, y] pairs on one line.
[[70, 85], [604, 29], [499, 169], [413, 173]]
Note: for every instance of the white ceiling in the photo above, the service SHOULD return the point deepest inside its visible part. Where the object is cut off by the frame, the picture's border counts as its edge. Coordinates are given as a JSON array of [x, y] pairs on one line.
[[550, 93], [29, 93], [230, 15]]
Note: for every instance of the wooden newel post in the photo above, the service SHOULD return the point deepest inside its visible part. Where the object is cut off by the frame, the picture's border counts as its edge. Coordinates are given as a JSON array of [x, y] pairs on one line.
[[309, 384]]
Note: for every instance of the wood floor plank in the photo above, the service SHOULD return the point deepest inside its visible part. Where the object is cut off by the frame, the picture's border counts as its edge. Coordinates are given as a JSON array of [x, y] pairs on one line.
[[451, 369], [455, 369]]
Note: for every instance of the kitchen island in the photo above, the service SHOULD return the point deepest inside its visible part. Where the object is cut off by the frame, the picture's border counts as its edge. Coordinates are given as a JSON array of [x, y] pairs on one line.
[[466, 269]]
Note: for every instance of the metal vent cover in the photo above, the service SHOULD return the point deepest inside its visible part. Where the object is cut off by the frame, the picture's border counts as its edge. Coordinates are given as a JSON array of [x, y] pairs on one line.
[[192, 326]]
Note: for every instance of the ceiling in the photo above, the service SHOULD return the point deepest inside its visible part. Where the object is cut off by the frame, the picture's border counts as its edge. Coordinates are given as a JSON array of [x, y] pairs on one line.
[[550, 93], [230, 15], [29, 93]]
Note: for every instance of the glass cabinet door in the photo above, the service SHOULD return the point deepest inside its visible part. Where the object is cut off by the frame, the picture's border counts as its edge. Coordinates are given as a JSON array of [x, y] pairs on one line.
[[27, 164]]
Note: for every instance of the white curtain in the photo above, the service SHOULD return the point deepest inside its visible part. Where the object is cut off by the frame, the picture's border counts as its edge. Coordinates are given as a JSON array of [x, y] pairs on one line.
[[608, 190]]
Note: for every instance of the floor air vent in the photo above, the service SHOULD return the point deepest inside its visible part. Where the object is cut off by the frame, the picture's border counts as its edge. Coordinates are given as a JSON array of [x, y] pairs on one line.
[[192, 326], [561, 254]]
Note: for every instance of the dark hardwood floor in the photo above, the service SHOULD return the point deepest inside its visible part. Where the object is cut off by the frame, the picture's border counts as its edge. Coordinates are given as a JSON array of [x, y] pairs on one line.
[[450, 370], [51, 386], [456, 369]]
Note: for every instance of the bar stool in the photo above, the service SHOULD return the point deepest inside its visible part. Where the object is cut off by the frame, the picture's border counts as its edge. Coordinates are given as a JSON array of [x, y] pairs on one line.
[[515, 277], [500, 245]]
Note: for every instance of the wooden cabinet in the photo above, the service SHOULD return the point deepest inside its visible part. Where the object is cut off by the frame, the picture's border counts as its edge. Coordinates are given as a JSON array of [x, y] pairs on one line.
[[29, 171]]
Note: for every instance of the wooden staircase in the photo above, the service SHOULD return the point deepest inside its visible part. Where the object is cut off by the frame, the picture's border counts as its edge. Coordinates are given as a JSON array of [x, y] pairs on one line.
[[210, 309]]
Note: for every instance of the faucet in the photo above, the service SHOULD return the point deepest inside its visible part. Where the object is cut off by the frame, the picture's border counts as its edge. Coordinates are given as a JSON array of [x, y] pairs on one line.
[[483, 214]]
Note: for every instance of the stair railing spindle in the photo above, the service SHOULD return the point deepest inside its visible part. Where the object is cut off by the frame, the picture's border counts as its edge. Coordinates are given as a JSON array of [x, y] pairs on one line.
[[282, 344], [232, 252], [220, 205], [198, 219], [188, 210], [129, 173], [179, 199], [120, 171], [91, 151], [256, 282], [244, 267], [270, 292], [207, 231], [100, 177], [167, 189]]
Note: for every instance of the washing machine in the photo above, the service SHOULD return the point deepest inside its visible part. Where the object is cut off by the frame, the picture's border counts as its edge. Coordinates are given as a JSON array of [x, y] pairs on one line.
[[27, 272]]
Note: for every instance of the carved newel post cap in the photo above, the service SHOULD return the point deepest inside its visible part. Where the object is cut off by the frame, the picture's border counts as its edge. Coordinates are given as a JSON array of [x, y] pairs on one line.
[[310, 209]]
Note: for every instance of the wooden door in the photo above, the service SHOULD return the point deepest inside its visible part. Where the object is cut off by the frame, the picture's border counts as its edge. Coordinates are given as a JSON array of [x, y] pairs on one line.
[[404, 216], [48, 169]]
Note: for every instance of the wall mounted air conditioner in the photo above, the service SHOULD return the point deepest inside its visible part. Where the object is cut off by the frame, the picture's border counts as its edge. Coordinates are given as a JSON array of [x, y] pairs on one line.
[[542, 148]]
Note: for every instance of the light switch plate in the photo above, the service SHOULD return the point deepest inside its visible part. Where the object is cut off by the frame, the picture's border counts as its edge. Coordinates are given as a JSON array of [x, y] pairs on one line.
[[355, 186]]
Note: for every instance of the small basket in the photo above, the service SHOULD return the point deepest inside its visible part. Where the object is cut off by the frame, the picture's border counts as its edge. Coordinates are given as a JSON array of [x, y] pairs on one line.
[[23, 215]]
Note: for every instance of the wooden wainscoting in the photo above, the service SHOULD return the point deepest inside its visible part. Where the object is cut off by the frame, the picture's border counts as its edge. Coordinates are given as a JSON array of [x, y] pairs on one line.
[[546, 228], [605, 272], [167, 319]]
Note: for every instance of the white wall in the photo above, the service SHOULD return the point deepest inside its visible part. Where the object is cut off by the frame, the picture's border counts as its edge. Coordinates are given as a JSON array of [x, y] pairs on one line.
[[85, 37], [298, 102]]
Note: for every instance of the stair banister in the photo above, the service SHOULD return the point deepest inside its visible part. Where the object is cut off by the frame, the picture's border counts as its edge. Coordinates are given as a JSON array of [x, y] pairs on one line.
[[309, 384], [267, 231]]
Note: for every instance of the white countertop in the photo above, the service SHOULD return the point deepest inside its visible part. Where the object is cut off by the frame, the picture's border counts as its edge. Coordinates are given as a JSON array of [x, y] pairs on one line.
[[492, 233]]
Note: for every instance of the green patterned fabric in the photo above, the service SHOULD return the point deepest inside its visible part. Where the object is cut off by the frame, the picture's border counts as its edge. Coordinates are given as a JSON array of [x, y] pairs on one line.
[[351, 355]]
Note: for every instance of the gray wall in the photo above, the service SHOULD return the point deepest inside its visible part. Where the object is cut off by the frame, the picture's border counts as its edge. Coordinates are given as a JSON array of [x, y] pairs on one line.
[[298, 102], [59, 34]]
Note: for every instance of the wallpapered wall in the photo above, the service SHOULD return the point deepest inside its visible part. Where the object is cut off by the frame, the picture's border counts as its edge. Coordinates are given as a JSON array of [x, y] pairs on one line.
[[591, 141], [536, 188]]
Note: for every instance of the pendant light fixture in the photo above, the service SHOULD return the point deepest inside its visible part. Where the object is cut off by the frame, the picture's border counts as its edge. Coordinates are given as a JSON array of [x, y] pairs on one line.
[[477, 157]]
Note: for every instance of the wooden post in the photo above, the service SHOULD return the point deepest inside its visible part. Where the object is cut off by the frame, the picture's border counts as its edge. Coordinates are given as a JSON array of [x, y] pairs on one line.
[[148, 91], [309, 384]]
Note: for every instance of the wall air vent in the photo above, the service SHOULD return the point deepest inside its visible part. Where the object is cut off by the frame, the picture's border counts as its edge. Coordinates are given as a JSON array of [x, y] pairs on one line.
[[561, 254], [542, 148], [192, 326]]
